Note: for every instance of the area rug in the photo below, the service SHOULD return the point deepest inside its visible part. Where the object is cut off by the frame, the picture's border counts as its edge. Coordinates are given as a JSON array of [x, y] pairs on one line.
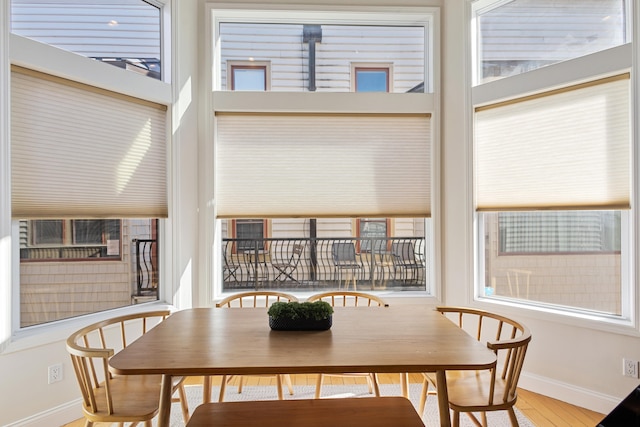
[[430, 418]]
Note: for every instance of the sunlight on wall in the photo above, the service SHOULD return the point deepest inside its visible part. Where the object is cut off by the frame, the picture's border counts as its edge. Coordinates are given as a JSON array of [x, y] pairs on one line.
[[129, 165], [183, 295], [183, 103]]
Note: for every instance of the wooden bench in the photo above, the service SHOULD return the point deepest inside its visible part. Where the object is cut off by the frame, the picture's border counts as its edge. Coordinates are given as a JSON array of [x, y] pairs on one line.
[[347, 412]]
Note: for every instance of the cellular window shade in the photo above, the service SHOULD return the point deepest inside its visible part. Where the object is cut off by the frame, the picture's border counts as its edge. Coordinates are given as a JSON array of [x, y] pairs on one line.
[[80, 152], [315, 165], [567, 149]]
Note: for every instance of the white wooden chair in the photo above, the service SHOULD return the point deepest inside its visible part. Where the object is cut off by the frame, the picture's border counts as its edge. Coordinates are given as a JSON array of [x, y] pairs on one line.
[[488, 390], [350, 299], [108, 398], [251, 299]]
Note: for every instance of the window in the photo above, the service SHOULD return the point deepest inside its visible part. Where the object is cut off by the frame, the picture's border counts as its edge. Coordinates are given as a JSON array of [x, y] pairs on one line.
[[295, 151], [523, 35], [47, 232], [126, 33], [373, 228], [324, 57], [249, 76], [74, 258], [552, 170], [90, 238], [91, 266], [371, 79], [559, 232], [251, 234]]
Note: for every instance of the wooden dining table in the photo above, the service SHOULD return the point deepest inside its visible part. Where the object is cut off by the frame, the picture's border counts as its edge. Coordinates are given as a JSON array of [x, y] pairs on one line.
[[234, 341]]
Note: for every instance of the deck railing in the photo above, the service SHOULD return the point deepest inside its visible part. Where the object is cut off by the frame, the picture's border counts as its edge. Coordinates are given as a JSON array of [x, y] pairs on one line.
[[146, 256], [324, 263]]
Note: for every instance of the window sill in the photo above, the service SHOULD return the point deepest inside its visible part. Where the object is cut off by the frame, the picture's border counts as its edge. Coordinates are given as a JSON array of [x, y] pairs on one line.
[[35, 336]]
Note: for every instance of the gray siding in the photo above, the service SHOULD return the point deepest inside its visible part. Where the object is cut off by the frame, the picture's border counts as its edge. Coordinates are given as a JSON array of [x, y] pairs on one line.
[[83, 26], [283, 46], [550, 30]]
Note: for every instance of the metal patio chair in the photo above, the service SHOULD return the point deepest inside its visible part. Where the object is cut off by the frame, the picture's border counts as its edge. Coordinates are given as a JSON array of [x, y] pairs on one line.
[[284, 270]]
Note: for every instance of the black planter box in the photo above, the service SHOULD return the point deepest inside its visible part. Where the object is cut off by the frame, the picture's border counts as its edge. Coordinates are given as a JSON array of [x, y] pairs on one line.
[[299, 324]]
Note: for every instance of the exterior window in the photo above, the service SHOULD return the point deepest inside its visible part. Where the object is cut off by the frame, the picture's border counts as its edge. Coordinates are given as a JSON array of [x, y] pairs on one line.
[[321, 58], [47, 232], [305, 150], [565, 259], [552, 181], [371, 79], [559, 232], [521, 35], [92, 265], [373, 228], [126, 34], [71, 239], [95, 231], [249, 77], [251, 232]]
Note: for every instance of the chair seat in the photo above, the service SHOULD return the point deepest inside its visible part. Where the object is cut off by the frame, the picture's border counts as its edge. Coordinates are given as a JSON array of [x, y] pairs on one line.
[[135, 396], [471, 391]]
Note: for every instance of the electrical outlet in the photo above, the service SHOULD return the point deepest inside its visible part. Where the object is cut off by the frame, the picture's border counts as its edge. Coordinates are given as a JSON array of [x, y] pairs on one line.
[[55, 373], [630, 368]]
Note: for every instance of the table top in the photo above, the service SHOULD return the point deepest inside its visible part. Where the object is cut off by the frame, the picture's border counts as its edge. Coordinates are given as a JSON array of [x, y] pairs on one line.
[[214, 341]]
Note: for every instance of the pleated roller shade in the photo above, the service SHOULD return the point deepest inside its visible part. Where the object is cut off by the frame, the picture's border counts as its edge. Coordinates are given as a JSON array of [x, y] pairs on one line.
[[565, 149], [322, 165], [82, 152]]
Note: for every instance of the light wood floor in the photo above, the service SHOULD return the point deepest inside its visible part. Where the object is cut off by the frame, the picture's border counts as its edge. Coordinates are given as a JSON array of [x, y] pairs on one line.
[[541, 410]]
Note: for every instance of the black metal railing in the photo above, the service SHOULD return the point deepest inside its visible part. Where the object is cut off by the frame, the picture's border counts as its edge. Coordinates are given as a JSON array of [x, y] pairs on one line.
[[324, 263], [146, 257]]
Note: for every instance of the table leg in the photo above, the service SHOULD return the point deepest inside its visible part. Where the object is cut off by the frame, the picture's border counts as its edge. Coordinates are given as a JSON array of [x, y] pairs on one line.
[[443, 399], [164, 412], [404, 384], [206, 389]]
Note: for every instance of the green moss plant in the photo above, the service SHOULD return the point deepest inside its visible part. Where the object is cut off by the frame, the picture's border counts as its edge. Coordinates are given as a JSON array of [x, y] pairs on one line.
[[316, 310]]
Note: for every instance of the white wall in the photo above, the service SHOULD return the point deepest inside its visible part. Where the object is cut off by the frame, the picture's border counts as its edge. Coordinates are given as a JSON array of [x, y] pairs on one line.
[[569, 361]]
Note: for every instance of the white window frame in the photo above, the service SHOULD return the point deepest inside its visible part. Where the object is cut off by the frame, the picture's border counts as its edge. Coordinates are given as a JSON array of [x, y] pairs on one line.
[[266, 65], [606, 63], [356, 66], [57, 62], [427, 102]]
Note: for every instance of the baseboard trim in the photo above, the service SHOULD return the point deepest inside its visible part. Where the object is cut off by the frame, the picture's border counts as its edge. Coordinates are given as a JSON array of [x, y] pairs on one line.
[[569, 393], [57, 416]]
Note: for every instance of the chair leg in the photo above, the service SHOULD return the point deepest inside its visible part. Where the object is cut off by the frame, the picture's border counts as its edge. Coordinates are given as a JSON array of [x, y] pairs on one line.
[[319, 385], [423, 396], [455, 422], [223, 387], [279, 385], [183, 403], [475, 420], [376, 387], [88, 423], [240, 383], [287, 379], [513, 418]]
